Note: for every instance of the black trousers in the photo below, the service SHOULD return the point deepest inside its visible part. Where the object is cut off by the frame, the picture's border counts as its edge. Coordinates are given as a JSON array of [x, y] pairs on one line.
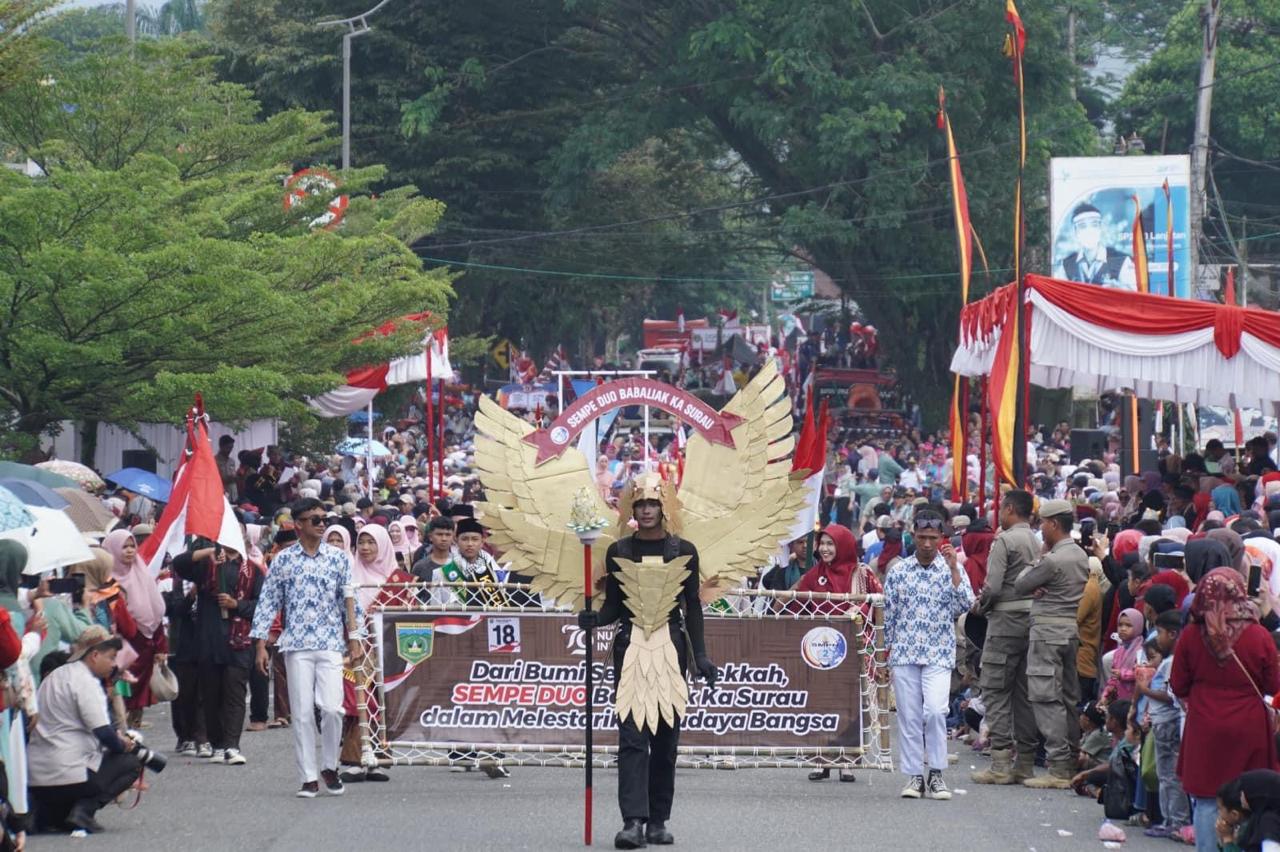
[[259, 694], [188, 718], [646, 761], [222, 691], [114, 775]]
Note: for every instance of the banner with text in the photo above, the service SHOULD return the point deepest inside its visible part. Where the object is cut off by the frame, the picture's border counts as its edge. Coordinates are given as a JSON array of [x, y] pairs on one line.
[[498, 679]]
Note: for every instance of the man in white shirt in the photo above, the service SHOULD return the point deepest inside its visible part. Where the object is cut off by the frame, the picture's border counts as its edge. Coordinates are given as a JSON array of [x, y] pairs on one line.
[[76, 761]]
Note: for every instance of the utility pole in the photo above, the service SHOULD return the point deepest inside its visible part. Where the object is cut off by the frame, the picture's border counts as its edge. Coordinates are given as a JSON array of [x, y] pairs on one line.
[[1200, 141], [356, 26]]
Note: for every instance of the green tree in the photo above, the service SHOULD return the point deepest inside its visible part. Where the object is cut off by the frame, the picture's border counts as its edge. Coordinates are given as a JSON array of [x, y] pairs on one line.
[[475, 100], [18, 49], [830, 109], [1159, 103], [156, 259]]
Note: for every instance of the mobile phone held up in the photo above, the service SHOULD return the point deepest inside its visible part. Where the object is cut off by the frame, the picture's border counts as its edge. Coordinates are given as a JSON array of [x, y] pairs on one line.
[[1255, 579]]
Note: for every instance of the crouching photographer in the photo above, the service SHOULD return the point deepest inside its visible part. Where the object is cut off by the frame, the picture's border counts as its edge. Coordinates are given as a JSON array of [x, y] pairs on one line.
[[77, 762]]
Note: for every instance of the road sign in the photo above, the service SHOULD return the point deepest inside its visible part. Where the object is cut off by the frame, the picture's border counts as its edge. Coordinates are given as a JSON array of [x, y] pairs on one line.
[[793, 288], [498, 352]]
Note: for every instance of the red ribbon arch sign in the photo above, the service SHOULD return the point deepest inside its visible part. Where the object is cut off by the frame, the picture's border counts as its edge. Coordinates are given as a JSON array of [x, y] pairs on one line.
[[706, 421]]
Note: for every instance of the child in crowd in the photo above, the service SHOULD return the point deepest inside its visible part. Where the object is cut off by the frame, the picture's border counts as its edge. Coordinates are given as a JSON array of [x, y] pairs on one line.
[[1090, 780], [1095, 742], [1166, 723]]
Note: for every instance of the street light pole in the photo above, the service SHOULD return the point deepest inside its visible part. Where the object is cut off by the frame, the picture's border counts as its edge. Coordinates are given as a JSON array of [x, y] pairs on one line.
[[356, 26]]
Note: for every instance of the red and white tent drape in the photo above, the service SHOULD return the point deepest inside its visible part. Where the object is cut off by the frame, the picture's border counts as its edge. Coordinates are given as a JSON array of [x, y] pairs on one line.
[[364, 383], [1093, 339]]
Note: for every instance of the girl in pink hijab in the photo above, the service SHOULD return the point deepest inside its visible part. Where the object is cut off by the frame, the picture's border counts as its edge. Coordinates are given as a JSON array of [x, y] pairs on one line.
[[1130, 631], [373, 568], [146, 606]]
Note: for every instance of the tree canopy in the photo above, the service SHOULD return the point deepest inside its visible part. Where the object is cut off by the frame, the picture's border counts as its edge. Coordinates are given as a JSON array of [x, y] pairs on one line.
[[155, 257]]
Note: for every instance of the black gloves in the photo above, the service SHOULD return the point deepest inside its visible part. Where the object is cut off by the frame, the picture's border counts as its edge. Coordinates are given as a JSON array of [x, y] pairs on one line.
[[588, 619], [706, 668]]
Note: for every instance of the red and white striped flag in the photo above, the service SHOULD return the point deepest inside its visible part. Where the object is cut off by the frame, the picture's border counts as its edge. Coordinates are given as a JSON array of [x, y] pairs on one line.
[[198, 506], [364, 383]]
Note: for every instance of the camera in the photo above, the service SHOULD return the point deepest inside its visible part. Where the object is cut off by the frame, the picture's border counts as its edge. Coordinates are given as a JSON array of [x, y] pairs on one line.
[[153, 760]]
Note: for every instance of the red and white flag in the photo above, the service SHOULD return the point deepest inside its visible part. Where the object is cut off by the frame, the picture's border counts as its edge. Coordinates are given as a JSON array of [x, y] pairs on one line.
[[198, 506], [810, 455], [364, 383]]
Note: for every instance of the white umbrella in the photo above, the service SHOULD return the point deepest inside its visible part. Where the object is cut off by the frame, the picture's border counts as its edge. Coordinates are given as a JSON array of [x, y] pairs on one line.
[[52, 542]]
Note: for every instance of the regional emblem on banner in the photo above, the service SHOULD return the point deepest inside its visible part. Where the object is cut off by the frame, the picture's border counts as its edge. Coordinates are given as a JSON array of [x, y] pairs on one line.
[[414, 642]]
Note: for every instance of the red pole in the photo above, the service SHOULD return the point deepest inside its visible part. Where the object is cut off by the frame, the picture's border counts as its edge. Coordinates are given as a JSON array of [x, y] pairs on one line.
[[590, 638], [428, 422], [440, 438]]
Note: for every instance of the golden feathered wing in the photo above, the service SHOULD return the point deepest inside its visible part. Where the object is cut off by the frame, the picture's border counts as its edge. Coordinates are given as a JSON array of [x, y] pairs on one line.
[[739, 503], [527, 506]]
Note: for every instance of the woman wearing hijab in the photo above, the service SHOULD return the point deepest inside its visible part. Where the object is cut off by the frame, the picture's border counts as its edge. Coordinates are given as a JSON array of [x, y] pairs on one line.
[[1223, 664], [1226, 500], [837, 572], [1252, 805], [402, 550], [1202, 555], [1231, 540], [146, 606], [375, 571]]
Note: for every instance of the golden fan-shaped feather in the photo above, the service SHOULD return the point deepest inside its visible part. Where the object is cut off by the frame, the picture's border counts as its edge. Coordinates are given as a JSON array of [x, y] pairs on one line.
[[737, 504]]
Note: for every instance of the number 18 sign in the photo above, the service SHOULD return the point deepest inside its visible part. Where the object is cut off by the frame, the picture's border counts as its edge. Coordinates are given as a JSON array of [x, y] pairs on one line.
[[504, 635]]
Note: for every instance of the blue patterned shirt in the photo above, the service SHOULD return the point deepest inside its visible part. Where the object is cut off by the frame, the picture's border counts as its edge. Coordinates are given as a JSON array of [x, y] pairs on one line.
[[920, 611], [310, 590]]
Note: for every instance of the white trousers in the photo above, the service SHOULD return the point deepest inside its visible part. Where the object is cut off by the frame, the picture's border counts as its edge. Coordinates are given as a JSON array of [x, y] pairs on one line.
[[315, 680], [922, 693]]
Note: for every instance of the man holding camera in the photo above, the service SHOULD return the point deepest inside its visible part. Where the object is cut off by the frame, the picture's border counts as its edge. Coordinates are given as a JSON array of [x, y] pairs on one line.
[[76, 760]]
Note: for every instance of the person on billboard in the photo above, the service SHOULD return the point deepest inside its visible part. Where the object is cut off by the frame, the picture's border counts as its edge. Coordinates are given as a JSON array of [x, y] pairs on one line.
[[651, 588], [1094, 262]]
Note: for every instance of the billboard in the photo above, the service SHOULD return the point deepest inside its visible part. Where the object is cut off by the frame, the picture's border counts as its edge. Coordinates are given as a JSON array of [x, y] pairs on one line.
[[1091, 211], [472, 678]]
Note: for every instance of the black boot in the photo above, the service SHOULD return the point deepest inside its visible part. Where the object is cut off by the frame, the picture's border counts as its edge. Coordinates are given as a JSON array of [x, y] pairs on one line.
[[631, 836], [656, 833], [820, 775]]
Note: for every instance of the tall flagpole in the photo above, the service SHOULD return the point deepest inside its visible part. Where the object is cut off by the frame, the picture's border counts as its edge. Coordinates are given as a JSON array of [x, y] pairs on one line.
[[1015, 44], [429, 430]]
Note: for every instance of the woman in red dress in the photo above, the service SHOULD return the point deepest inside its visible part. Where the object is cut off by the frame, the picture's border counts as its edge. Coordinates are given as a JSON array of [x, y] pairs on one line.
[[146, 606], [838, 572], [1223, 664]]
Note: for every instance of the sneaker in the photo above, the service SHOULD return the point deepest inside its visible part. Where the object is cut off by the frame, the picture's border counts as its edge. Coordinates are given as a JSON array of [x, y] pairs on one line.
[[187, 747], [204, 750], [914, 788], [332, 783], [235, 758], [309, 790], [219, 756], [938, 787], [1161, 831], [496, 771]]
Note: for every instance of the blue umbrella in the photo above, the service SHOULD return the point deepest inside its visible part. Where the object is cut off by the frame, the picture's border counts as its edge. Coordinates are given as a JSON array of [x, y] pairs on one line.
[[360, 447], [13, 514], [142, 482], [34, 494]]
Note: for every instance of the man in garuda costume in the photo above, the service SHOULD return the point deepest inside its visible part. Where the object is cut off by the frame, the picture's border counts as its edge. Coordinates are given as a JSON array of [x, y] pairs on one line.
[[651, 588]]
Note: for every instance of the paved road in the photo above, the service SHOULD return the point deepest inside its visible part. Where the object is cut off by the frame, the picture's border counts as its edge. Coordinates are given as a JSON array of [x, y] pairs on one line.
[[197, 806]]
